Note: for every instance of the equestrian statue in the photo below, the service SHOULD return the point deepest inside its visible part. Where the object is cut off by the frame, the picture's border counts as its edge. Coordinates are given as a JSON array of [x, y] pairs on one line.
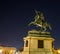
[[39, 21]]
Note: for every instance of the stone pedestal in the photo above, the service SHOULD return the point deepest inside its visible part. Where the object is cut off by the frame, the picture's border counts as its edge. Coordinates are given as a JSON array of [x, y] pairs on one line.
[[38, 43], [35, 33]]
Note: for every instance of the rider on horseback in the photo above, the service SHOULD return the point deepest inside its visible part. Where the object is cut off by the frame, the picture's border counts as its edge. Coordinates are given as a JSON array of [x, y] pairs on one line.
[[40, 21]]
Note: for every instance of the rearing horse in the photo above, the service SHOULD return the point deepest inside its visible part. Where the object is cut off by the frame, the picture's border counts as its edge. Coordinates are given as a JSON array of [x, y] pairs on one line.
[[40, 21]]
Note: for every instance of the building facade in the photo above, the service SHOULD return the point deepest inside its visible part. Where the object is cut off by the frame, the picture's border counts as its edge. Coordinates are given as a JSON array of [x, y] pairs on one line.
[[7, 50]]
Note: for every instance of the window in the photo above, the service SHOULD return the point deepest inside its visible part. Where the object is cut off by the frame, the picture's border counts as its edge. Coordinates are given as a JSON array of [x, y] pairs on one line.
[[26, 43], [40, 44]]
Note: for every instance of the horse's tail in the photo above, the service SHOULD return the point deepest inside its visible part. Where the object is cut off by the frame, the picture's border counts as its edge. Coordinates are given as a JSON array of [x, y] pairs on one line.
[[50, 27]]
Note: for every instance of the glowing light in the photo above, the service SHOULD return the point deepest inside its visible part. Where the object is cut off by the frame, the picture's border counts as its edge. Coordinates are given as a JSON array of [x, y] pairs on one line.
[[11, 51], [58, 51], [0, 50]]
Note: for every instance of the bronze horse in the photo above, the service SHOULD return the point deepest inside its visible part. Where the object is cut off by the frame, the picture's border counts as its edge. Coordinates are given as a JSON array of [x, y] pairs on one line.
[[40, 21]]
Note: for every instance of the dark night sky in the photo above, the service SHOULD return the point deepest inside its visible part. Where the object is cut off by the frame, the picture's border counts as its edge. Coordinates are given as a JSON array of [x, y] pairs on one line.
[[15, 15]]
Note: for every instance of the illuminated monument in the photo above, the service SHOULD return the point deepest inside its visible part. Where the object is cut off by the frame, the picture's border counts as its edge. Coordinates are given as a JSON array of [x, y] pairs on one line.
[[39, 41]]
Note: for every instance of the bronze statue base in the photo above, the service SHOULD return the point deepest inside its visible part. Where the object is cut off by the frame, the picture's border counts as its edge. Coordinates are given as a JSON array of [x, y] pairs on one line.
[[38, 33]]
